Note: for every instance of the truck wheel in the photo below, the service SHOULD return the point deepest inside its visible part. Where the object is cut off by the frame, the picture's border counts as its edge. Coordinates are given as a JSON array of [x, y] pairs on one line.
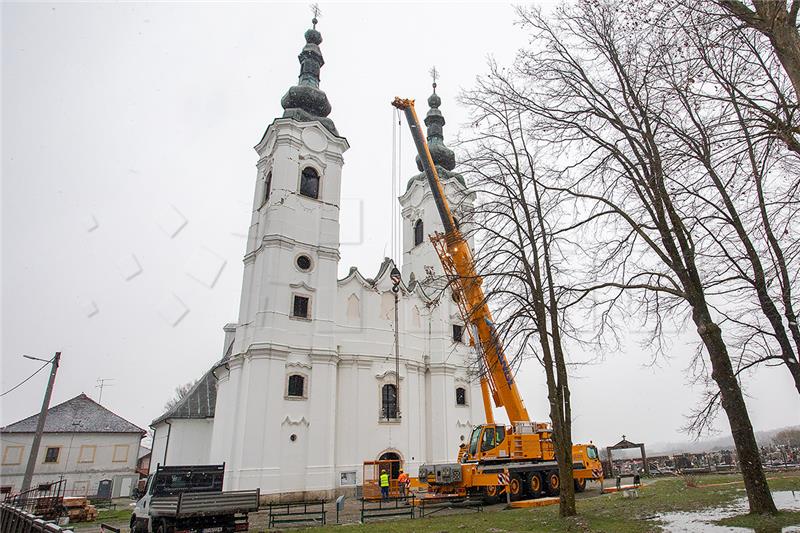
[[492, 494], [535, 484], [515, 487], [580, 485], [133, 523], [553, 483]]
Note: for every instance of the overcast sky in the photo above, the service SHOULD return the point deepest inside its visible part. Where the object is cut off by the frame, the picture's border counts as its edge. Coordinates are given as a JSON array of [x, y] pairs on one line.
[[127, 182]]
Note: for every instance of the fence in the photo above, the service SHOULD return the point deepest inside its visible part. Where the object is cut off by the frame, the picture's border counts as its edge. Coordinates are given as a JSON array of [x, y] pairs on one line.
[[46, 500], [403, 506], [297, 513], [16, 520]]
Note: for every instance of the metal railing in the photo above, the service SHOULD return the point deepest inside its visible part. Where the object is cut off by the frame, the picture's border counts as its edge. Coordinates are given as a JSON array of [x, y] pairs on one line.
[[16, 520], [402, 506], [297, 513]]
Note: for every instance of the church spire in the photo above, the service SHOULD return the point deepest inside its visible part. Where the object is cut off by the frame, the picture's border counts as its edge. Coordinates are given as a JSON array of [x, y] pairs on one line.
[[443, 157], [305, 102]]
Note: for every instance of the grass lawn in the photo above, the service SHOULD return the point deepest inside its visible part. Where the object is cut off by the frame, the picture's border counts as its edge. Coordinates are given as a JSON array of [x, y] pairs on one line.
[[611, 513], [107, 516]]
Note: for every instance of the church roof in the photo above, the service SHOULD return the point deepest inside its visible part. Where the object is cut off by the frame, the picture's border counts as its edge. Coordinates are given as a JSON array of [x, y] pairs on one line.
[[305, 102], [199, 402], [80, 414]]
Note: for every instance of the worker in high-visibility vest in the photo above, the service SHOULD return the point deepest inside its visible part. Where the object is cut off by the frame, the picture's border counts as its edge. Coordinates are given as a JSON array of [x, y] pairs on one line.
[[403, 481], [384, 485]]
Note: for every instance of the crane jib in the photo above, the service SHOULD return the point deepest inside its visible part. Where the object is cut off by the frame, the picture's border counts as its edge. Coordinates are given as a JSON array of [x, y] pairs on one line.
[[503, 361], [430, 170]]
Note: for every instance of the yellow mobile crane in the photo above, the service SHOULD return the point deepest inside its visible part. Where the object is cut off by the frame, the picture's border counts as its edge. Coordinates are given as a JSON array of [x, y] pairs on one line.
[[522, 453]]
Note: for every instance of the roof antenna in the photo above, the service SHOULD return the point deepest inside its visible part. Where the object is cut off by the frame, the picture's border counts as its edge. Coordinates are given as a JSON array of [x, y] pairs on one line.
[[101, 384], [317, 13]]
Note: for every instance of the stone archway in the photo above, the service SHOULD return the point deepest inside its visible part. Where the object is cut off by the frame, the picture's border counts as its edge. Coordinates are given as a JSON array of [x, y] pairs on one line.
[[625, 444], [395, 461]]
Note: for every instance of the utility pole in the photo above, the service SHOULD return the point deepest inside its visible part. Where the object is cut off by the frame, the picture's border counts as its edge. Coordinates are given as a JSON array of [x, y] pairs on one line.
[[37, 438]]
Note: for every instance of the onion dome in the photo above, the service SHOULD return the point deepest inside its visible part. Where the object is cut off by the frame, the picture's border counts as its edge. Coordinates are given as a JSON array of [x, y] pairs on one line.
[[305, 101], [443, 157]]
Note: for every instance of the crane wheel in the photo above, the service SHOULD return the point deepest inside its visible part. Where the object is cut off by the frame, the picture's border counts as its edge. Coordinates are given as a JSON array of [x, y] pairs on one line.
[[580, 485], [535, 484], [515, 487], [553, 483], [493, 493]]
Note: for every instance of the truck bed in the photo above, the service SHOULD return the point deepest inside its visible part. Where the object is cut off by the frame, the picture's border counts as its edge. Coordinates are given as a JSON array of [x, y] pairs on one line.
[[191, 504]]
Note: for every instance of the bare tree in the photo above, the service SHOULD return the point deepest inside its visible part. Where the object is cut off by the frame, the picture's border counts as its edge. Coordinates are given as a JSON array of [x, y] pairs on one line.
[[519, 256], [180, 393], [728, 168], [777, 20], [591, 87]]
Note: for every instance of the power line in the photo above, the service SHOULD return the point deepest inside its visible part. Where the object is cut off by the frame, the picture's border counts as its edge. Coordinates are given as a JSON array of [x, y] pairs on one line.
[[18, 385]]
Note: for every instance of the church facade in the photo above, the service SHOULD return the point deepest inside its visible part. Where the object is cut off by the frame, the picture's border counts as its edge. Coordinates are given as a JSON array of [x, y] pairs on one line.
[[309, 385]]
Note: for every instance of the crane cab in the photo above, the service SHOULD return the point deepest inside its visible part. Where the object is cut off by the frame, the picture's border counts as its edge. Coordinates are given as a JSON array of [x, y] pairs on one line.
[[499, 443]]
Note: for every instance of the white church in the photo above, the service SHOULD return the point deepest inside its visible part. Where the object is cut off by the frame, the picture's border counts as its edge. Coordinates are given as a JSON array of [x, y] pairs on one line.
[[307, 388]]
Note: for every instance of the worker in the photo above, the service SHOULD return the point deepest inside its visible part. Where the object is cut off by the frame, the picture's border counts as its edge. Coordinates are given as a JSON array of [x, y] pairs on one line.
[[384, 485], [403, 482]]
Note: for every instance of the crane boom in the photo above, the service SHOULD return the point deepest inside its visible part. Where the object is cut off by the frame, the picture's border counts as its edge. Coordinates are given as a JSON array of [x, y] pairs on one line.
[[459, 266]]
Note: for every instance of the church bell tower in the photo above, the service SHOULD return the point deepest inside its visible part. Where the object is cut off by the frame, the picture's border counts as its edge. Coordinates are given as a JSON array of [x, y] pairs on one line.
[[278, 380]]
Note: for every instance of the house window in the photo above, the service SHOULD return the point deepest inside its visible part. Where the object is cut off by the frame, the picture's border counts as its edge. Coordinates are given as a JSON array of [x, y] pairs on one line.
[[458, 333], [418, 232], [86, 455], [296, 388], [267, 187], [309, 183], [300, 306], [389, 402], [51, 455], [120, 453], [461, 396], [12, 455]]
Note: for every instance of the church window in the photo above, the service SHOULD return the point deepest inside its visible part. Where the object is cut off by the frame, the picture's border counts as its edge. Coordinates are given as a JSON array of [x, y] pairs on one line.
[[458, 333], [389, 402], [303, 262], [418, 232], [309, 183], [267, 187], [301, 307], [296, 388], [461, 396]]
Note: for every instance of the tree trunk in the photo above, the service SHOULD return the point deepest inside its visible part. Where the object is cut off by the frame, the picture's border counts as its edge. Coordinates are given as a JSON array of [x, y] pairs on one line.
[[758, 494]]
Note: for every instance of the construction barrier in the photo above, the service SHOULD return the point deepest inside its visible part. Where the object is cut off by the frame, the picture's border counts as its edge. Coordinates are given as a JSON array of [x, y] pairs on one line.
[[391, 507], [297, 513], [15, 520]]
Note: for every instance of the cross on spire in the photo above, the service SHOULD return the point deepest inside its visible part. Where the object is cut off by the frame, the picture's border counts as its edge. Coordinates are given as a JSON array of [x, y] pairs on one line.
[[315, 10], [435, 76]]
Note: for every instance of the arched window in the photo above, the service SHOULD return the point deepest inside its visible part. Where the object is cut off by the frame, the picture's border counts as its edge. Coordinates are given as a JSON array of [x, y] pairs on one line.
[[389, 401], [418, 232], [461, 396], [297, 384], [267, 187], [309, 183]]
